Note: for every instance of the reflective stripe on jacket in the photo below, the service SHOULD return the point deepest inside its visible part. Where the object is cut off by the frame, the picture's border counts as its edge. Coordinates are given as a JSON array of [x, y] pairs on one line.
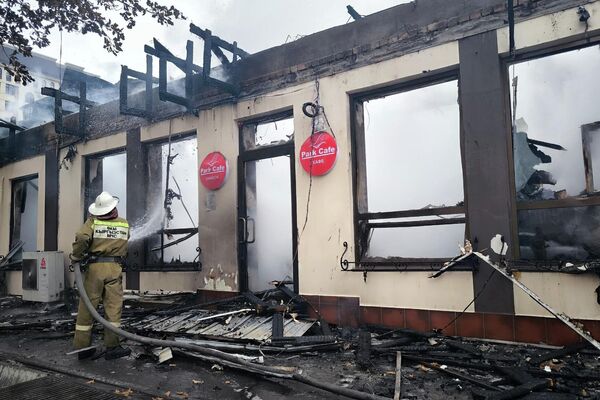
[[103, 238]]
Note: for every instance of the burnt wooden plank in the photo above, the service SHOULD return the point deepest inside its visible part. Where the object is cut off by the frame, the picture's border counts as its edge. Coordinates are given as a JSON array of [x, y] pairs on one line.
[[565, 351], [517, 375], [520, 390]]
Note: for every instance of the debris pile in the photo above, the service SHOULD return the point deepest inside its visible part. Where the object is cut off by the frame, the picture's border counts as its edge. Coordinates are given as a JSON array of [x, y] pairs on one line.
[[272, 328]]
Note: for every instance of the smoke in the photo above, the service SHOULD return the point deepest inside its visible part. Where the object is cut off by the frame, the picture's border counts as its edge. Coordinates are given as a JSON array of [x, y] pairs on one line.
[[268, 200], [413, 161], [148, 225]]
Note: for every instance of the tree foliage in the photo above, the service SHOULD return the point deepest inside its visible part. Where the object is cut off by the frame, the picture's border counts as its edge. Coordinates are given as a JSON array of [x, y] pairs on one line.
[[25, 24]]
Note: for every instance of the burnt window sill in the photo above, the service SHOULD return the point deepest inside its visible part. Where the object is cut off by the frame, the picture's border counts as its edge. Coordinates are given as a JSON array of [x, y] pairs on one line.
[[406, 265], [14, 266], [555, 266], [182, 267]]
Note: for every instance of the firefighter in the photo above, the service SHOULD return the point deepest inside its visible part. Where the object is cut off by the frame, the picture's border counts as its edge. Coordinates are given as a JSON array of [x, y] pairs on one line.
[[103, 241]]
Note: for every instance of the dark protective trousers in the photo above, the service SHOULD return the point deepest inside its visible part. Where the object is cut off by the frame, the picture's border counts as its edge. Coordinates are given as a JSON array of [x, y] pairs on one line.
[[102, 282]]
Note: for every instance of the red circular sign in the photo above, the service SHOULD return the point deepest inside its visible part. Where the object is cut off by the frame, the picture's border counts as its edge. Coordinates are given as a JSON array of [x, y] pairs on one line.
[[318, 153], [214, 171]]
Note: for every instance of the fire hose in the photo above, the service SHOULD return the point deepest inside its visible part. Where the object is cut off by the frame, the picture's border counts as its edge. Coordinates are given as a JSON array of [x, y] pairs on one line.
[[217, 356]]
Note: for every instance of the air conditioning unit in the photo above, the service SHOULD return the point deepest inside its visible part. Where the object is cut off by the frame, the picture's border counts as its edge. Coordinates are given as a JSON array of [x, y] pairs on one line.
[[43, 275]]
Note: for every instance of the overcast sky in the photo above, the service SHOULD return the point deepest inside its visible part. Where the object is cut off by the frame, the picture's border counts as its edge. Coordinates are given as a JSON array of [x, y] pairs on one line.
[[256, 25]]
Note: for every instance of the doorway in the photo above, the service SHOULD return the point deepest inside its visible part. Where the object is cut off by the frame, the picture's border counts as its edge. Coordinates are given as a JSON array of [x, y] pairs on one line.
[[267, 234]]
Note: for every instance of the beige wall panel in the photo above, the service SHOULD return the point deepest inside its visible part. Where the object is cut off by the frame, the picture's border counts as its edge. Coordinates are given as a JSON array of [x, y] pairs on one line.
[[330, 221], [19, 169], [217, 210], [573, 295], [172, 281], [330, 218], [160, 130], [549, 28], [14, 284], [398, 69]]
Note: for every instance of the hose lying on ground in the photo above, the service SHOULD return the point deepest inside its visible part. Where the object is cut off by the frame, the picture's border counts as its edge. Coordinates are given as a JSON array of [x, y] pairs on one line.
[[217, 356]]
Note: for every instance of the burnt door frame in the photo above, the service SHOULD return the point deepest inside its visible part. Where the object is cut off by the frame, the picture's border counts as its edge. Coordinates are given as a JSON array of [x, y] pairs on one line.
[[263, 153]]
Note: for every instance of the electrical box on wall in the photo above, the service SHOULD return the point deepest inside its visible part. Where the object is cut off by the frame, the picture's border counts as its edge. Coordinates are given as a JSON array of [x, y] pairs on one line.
[[43, 275]]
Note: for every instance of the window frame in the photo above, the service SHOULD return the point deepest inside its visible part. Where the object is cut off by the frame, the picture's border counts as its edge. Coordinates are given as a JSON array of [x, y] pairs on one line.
[[87, 200], [17, 265], [163, 266], [364, 263], [546, 50], [12, 87]]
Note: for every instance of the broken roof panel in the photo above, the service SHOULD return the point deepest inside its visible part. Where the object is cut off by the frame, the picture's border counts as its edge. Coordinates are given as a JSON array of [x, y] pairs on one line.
[[241, 324]]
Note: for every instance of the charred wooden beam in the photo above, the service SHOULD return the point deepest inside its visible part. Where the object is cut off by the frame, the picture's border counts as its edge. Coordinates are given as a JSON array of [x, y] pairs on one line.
[[403, 224], [353, 13], [46, 91], [277, 331], [206, 59], [565, 351], [520, 390], [423, 212], [462, 376], [82, 101], [217, 41], [123, 90]]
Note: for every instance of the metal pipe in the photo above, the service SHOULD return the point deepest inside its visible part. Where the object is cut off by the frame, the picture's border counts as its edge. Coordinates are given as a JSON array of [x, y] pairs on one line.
[[216, 355]]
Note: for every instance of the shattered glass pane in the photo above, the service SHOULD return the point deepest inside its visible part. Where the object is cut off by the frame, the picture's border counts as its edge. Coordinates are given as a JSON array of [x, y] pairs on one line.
[[182, 201], [555, 97], [564, 234], [592, 132], [412, 145], [416, 241], [24, 214], [268, 133]]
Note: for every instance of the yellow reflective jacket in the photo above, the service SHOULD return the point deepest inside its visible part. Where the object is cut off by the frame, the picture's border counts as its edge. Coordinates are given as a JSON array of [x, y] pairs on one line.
[[102, 238]]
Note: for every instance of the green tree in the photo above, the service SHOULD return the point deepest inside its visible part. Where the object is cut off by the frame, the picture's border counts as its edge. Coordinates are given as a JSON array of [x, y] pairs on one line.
[[25, 24]]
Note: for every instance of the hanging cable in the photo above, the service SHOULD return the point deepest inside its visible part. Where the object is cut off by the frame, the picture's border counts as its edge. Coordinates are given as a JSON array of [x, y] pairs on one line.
[[183, 203], [471, 302], [314, 114]]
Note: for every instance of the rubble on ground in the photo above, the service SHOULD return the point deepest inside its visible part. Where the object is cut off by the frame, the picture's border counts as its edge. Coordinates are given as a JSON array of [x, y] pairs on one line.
[[273, 328]]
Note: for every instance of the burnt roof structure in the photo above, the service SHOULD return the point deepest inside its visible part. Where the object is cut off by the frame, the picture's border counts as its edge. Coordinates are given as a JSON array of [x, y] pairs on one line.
[[384, 35]]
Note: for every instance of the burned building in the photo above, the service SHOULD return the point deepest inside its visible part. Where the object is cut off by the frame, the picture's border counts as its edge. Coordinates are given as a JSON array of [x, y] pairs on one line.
[[353, 162]]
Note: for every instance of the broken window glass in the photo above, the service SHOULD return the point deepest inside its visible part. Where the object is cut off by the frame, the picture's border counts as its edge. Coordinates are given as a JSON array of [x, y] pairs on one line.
[[180, 219], [412, 144], [413, 167], [561, 234], [107, 173], [416, 241], [554, 99], [268, 133], [24, 213]]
